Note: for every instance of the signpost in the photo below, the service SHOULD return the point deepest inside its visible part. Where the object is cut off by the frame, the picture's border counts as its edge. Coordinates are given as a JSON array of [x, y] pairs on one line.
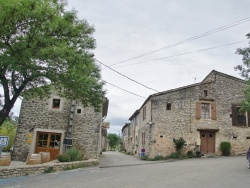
[[3, 142]]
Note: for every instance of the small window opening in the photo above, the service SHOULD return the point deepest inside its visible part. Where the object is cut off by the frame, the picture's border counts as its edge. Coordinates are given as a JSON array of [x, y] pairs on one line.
[[205, 93], [56, 103], [168, 106], [248, 137], [78, 111]]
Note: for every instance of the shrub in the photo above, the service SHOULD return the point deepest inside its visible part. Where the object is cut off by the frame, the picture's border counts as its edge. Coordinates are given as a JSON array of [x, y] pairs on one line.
[[50, 169], [174, 155], [63, 158], [145, 157], [157, 158], [74, 154], [179, 143], [225, 147], [190, 154]]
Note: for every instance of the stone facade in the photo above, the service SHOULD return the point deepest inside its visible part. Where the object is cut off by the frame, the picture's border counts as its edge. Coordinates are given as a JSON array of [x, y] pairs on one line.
[[126, 138], [82, 124], [201, 113]]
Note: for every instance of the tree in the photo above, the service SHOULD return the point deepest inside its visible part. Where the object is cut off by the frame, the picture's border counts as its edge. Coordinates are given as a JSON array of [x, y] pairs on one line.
[[43, 45], [244, 72], [8, 129], [113, 140]]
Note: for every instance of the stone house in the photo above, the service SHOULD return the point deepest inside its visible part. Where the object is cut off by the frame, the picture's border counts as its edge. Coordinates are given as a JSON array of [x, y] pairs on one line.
[[204, 114], [126, 146], [134, 132], [54, 124]]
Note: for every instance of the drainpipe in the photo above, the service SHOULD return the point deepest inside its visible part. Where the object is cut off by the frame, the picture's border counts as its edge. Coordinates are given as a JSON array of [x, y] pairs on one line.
[[69, 133]]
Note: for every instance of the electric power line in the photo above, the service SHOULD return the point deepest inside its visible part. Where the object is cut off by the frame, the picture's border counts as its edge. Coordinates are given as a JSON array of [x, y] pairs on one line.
[[126, 76], [186, 53], [189, 39], [124, 90]]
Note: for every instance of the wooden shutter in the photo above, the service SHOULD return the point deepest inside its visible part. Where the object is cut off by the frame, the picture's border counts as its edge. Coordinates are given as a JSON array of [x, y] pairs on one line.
[[213, 111], [234, 115], [198, 110]]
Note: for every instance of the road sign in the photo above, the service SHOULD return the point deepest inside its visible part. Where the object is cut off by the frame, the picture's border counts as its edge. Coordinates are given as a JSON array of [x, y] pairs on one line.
[[4, 141]]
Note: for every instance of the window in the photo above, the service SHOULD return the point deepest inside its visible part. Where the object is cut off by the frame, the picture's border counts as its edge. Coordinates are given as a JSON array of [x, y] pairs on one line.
[[48, 140], [205, 110], [205, 93], [144, 112], [239, 117], [168, 106], [56, 103], [79, 111]]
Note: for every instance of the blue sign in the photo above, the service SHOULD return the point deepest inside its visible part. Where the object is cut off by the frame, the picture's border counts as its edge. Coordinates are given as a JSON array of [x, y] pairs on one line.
[[4, 141]]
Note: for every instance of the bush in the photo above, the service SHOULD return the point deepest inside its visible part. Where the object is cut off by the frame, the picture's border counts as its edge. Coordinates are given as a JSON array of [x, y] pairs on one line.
[[190, 154], [179, 143], [63, 158], [174, 155], [157, 158], [145, 157], [225, 147], [74, 154]]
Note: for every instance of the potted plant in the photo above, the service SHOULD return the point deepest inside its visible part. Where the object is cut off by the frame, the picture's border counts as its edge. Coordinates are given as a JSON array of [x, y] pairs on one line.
[[225, 148]]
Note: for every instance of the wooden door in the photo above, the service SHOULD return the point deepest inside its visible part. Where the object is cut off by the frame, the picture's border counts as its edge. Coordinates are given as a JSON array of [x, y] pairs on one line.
[[48, 142], [207, 142]]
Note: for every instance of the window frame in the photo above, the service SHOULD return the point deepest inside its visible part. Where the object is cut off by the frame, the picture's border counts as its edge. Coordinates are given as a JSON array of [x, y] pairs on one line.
[[205, 114], [53, 103], [168, 106]]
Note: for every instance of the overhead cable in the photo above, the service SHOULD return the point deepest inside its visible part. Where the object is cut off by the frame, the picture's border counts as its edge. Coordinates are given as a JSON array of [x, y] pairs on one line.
[[186, 53], [124, 90], [126, 76], [189, 39]]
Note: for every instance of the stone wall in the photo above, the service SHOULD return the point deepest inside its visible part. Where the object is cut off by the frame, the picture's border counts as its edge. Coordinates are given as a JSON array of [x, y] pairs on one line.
[[181, 121], [38, 115], [9, 172]]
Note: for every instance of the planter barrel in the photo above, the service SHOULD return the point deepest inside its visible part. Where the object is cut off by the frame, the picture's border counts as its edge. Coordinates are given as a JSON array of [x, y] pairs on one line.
[[45, 157], [33, 159], [5, 159]]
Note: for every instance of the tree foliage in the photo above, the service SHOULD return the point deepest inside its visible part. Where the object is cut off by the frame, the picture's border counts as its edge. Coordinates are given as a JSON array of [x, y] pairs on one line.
[[42, 44], [244, 72], [8, 129], [113, 140]]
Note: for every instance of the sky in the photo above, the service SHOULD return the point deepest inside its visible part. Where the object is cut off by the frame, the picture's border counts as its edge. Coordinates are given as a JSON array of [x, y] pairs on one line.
[[161, 44]]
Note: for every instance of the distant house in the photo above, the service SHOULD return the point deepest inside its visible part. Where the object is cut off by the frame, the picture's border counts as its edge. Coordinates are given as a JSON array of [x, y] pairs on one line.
[[54, 124], [126, 138], [204, 114]]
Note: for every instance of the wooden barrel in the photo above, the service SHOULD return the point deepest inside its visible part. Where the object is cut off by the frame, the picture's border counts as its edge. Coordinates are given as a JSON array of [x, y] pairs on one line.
[[5, 159], [33, 159], [45, 157]]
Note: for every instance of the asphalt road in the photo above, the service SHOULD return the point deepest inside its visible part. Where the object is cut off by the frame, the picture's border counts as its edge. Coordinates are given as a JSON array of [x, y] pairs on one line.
[[120, 170]]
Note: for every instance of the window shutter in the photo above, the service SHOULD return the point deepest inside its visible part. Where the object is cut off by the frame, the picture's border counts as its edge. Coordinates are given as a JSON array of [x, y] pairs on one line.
[[234, 115], [213, 111], [198, 110]]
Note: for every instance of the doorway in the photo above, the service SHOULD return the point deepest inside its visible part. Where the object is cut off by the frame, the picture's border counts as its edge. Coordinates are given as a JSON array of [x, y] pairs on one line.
[[207, 142], [48, 142]]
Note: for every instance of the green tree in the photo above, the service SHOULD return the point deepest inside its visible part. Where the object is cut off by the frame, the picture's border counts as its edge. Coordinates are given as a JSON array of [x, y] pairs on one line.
[[244, 72], [113, 140], [8, 128], [42, 44]]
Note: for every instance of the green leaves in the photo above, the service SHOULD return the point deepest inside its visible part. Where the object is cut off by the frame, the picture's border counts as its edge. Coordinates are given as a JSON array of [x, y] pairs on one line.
[[42, 44]]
